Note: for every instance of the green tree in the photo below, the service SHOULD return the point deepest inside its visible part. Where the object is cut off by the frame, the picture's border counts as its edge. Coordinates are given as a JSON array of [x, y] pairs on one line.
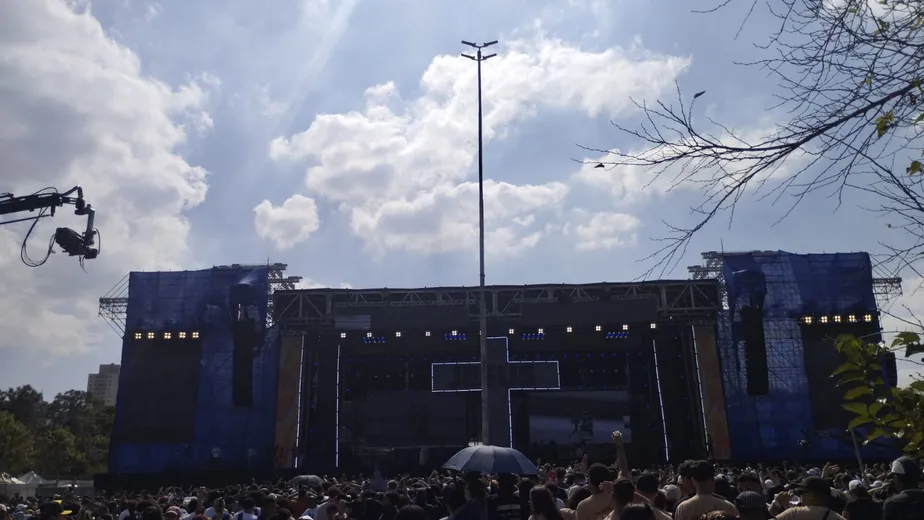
[[849, 118], [56, 454], [881, 411], [15, 445], [26, 404]]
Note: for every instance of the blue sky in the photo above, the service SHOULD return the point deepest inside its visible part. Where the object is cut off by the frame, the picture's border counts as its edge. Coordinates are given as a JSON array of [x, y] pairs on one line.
[[338, 136]]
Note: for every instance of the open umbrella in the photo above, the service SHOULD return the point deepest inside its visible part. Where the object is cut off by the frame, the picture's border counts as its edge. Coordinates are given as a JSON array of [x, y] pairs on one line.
[[307, 480], [491, 459]]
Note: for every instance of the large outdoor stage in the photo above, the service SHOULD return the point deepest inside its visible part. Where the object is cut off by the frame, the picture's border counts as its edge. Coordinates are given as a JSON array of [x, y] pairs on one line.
[[231, 371], [392, 376]]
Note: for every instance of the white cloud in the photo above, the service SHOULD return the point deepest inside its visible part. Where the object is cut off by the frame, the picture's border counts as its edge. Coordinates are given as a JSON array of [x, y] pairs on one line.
[[77, 109], [400, 169], [604, 230], [289, 224]]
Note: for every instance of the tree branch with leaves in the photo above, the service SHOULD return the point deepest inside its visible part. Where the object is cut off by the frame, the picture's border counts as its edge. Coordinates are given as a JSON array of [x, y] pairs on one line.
[[879, 410], [850, 77]]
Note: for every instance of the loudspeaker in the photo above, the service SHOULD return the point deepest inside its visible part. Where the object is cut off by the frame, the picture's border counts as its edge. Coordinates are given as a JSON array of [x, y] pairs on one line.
[[890, 367], [755, 350], [245, 340]]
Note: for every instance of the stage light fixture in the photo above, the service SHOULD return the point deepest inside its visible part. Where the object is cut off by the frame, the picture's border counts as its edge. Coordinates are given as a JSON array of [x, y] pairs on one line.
[[427, 333], [150, 335], [569, 329], [823, 319], [837, 318], [851, 318], [368, 334], [867, 318], [541, 331], [343, 335], [398, 334], [195, 335], [455, 333], [138, 335], [598, 328], [654, 325], [625, 327], [181, 335], [807, 320], [167, 335], [510, 332]]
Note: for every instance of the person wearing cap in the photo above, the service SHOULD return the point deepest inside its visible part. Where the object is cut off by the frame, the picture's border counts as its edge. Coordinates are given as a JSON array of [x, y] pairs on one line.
[[705, 500], [815, 495], [860, 505], [752, 506], [908, 503], [672, 494]]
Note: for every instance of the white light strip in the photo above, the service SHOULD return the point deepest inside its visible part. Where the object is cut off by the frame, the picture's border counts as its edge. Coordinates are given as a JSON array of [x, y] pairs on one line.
[[337, 416], [699, 382], [509, 390], [667, 450], [298, 425]]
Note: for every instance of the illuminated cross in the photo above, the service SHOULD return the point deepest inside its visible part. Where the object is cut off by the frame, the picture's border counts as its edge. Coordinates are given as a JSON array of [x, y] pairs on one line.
[[515, 376]]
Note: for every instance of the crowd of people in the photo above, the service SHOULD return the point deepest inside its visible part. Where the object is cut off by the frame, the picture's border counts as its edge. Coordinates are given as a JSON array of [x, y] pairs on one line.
[[695, 490]]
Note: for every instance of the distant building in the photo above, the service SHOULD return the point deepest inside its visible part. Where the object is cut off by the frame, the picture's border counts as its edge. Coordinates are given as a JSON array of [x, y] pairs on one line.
[[105, 385]]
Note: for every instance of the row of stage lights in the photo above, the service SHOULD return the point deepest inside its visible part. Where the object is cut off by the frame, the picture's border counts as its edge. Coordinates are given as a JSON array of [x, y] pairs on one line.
[[166, 335], [537, 335], [837, 318]]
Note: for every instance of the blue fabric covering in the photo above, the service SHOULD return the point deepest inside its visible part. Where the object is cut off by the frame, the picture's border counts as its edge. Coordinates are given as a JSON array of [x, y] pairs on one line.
[[206, 301], [788, 286]]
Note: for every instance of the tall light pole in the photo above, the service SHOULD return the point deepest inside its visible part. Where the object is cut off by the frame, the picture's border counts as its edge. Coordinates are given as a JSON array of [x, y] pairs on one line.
[[483, 316]]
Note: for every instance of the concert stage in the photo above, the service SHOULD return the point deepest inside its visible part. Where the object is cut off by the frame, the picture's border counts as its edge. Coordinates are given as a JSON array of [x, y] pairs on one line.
[[394, 374], [232, 369]]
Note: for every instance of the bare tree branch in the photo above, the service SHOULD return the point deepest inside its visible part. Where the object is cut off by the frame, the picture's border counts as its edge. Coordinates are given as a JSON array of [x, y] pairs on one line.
[[851, 75]]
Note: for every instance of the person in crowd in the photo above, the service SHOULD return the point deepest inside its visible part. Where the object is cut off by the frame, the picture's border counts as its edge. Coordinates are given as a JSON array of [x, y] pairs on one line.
[[600, 503], [623, 492], [504, 504], [814, 497], [860, 504], [749, 481], [569, 512], [908, 503], [641, 511], [673, 494], [705, 500], [578, 480], [543, 504], [752, 505]]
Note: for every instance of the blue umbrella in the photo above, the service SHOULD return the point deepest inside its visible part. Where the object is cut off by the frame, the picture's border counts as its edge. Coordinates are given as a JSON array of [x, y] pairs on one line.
[[491, 459]]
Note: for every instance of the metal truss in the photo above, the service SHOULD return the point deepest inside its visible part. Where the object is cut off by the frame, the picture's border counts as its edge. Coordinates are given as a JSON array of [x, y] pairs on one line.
[[315, 309], [785, 365], [884, 289], [113, 306]]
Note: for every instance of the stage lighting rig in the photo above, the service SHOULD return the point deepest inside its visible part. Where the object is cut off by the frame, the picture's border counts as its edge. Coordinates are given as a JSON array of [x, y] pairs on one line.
[[45, 202]]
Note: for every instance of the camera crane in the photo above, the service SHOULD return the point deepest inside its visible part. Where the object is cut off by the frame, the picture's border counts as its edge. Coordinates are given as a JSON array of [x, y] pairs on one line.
[[46, 201]]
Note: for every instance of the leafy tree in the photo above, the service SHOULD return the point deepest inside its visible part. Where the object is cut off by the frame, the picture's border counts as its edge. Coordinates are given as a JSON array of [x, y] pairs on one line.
[[15, 445], [56, 453], [67, 437], [851, 118], [26, 404], [881, 411]]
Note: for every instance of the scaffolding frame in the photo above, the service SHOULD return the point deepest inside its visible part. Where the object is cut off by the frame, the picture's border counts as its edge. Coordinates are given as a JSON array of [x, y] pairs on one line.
[[785, 359], [113, 306]]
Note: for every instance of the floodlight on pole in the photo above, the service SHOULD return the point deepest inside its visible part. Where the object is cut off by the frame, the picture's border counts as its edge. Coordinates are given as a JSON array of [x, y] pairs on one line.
[[483, 315]]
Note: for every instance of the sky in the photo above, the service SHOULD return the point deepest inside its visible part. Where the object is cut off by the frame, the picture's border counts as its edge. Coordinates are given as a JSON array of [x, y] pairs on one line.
[[339, 137]]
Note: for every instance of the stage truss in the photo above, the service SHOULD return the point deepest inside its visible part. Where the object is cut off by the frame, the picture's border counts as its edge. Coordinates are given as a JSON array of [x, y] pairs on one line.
[[299, 311], [113, 306], [788, 362]]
